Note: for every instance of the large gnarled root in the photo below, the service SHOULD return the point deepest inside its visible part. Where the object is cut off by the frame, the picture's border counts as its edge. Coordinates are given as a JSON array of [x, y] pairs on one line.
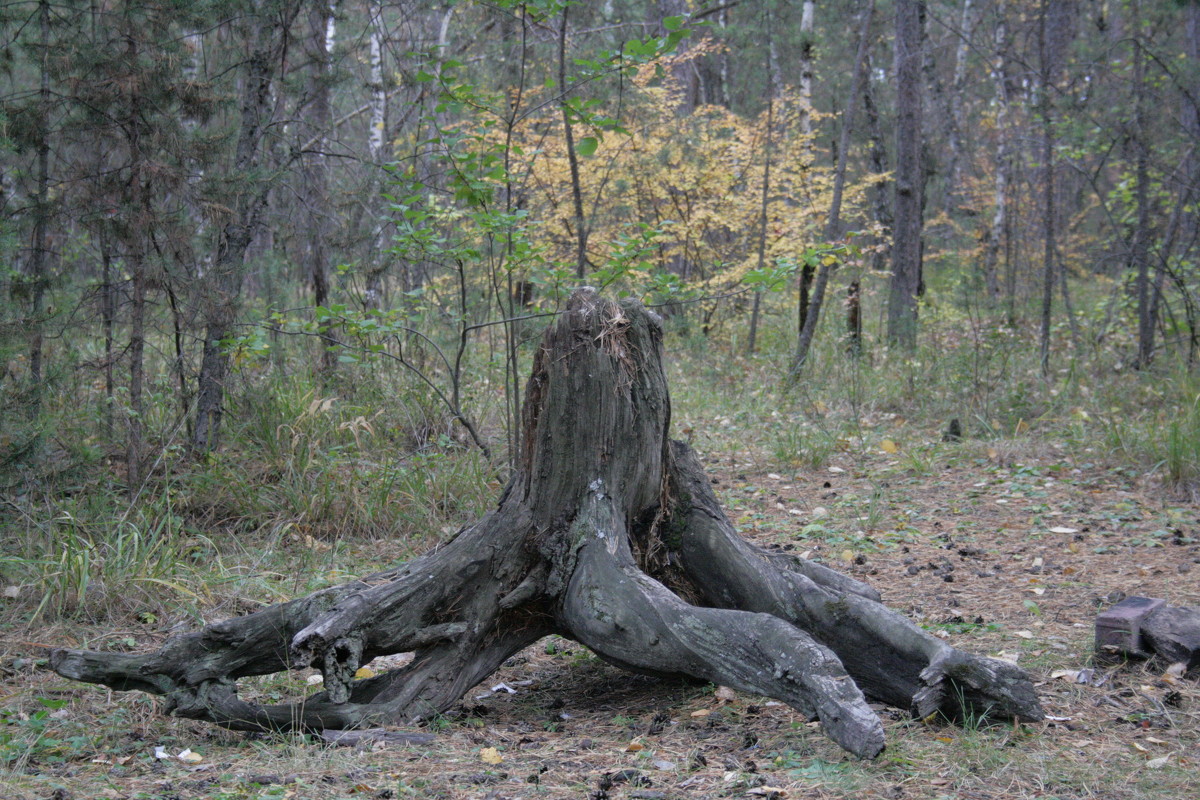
[[630, 619], [889, 657], [338, 630]]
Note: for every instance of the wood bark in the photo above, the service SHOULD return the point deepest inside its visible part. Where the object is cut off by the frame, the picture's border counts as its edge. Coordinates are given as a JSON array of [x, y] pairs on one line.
[[998, 231], [580, 221], [317, 125], [267, 38], [910, 177], [956, 132], [608, 533], [1045, 107]]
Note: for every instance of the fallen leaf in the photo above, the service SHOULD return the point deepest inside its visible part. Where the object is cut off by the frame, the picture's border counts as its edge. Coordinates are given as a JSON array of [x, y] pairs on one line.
[[364, 672], [1062, 529], [726, 694], [836, 470], [1138, 746], [768, 791], [665, 766], [1156, 763], [704, 712], [490, 755], [1024, 634], [189, 756], [847, 555], [888, 446], [1153, 740], [1022, 427], [634, 747]]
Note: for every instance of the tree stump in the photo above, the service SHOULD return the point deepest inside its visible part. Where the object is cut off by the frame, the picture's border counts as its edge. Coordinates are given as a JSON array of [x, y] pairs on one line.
[[609, 534]]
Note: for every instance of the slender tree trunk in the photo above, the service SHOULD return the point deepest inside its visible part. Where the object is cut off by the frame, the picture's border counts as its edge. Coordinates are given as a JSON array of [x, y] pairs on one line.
[[315, 164], [998, 231], [1191, 116], [910, 177], [853, 320], [773, 78], [723, 61], [1139, 249], [1048, 208], [1185, 222], [108, 313], [580, 226], [957, 121], [40, 245], [265, 38], [833, 225], [752, 340], [377, 257], [762, 222], [807, 57], [136, 264]]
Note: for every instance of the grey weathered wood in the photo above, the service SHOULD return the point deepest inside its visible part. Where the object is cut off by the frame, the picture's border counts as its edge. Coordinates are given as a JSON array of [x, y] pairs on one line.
[[608, 533], [1174, 634], [1147, 626], [1119, 628]]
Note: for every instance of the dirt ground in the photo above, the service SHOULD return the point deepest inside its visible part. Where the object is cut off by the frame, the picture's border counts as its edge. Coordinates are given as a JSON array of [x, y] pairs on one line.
[[1006, 552]]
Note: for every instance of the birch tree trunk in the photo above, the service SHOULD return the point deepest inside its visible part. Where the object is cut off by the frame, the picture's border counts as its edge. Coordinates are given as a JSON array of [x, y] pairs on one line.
[[377, 258], [957, 126]]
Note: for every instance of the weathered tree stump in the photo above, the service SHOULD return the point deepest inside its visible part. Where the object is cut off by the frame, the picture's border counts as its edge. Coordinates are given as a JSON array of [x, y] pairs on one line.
[[608, 534]]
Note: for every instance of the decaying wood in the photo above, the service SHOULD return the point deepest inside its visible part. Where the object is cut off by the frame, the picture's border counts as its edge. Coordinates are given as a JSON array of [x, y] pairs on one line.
[[1173, 633], [608, 534]]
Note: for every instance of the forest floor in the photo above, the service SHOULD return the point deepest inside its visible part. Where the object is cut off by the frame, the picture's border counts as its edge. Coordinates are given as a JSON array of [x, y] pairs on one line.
[[1006, 548]]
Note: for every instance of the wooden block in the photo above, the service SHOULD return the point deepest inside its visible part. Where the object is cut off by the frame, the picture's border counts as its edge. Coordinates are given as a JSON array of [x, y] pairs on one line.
[[1174, 635], [1120, 628]]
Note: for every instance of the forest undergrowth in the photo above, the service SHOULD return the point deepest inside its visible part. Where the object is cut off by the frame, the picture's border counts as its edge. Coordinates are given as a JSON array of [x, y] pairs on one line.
[[1048, 498]]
